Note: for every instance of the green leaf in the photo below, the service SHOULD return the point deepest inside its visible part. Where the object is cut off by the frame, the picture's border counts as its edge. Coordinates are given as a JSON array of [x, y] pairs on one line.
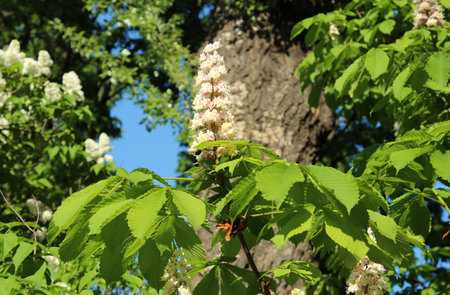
[[438, 67], [401, 92], [209, 285], [345, 234], [299, 270], [275, 181], [165, 234], [22, 252], [347, 76], [107, 213], [142, 216], [72, 206], [441, 162], [190, 206], [402, 158], [87, 279], [376, 62], [114, 234], [133, 280], [289, 227], [315, 94], [152, 263], [300, 26], [8, 284], [230, 285], [7, 242], [38, 277], [343, 185], [385, 224], [241, 195], [387, 26], [411, 211], [187, 239]]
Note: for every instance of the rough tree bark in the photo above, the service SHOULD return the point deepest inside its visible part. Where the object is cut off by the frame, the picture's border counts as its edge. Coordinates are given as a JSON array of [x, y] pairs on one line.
[[269, 107]]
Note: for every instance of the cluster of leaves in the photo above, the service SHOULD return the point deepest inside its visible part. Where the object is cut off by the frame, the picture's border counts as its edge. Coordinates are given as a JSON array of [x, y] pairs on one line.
[[42, 157], [116, 218], [31, 266], [384, 79], [377, 63], [128, 214]]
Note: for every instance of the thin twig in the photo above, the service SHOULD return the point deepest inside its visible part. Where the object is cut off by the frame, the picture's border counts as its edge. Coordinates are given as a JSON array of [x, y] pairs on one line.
[[36, 223], [18, 215], [262, 284]]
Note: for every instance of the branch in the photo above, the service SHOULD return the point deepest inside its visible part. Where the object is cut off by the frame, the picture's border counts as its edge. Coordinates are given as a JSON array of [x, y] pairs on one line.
[[262, 284], [18, 215]]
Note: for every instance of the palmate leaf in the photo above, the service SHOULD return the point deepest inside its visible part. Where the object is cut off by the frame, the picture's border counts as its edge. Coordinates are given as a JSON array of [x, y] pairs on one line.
[[342, 185], [192, 207], [142, 215], [69, 210], [275, 181]]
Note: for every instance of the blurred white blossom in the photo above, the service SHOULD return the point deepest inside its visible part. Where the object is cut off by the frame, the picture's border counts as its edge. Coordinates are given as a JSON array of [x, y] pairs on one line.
[[52, 91], [73, 85], [97, 151], [52, 260], [46, 216]]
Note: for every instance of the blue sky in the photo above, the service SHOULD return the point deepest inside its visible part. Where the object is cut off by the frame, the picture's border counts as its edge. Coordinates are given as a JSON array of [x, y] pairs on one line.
[[156, 150]]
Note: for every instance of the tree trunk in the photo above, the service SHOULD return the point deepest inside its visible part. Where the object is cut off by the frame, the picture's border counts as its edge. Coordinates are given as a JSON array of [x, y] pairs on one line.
[[269, 107]]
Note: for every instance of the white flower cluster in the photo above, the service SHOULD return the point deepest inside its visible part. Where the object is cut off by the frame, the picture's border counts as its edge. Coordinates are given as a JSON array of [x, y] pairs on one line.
[[97, 151], [175, 275], [45, 216], [212, 105], [72, 85], [367, 277], [428, 13], [37, 68]]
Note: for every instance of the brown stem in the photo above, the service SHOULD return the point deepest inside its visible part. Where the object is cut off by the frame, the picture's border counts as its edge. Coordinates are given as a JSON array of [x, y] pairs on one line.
[[262, 284]]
